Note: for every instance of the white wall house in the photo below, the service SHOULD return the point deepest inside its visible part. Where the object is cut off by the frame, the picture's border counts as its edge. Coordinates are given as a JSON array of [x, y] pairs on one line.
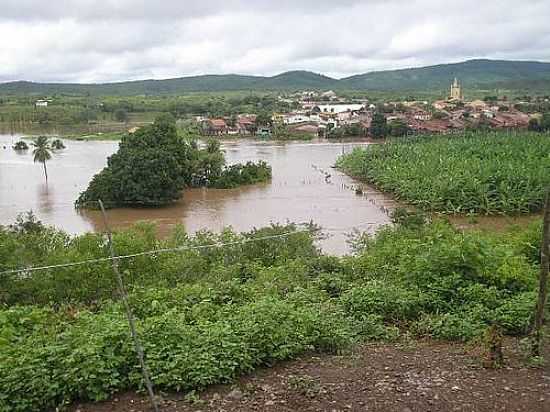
[[339, 108], [41, 103], [293, 118]]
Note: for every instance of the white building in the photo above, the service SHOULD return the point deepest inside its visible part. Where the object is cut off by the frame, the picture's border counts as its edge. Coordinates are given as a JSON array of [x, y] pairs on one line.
[[293, 118], [41, 103], [339, 108]]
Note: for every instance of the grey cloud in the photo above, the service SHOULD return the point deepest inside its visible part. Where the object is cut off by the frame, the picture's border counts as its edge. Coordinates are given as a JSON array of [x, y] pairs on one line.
[[94, 41]]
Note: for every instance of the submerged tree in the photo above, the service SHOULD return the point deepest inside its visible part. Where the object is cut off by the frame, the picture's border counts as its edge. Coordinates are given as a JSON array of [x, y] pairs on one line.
[[151, 167], [42, 152], [57, 144], [20, 145]]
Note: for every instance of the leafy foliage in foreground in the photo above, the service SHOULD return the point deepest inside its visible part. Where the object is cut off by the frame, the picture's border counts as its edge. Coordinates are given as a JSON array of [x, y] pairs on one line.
[[485, 173], [153, 166], [208, 315]]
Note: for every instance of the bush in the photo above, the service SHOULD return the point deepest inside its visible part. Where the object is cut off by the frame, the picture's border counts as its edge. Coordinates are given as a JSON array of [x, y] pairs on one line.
[[57, 144], [208, 315], [20, 145]]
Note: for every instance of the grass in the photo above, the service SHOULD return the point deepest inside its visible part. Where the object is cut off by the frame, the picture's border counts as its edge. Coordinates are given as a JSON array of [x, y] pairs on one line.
[[485, 173]]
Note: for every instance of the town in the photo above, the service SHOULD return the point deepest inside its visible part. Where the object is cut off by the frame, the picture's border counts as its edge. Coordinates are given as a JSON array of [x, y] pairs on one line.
[[325, 114]]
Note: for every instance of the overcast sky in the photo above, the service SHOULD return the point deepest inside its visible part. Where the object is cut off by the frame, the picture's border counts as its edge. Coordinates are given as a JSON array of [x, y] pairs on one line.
[[112, 40]]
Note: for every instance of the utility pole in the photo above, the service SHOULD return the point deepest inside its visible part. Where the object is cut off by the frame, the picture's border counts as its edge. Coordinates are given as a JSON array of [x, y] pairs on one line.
[[129, 314]]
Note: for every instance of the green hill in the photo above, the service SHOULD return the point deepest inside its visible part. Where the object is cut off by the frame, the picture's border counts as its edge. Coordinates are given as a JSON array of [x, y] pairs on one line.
[[480, 74], [472, 74], [293, 80]]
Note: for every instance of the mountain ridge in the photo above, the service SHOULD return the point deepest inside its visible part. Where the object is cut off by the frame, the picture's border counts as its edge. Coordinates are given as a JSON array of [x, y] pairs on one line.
[[472, 73]]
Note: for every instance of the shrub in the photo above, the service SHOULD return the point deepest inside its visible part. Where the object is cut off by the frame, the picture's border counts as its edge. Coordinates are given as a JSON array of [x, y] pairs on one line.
[[20, 145]]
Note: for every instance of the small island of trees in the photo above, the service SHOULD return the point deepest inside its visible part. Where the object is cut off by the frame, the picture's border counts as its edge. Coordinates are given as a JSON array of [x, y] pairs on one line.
[[153, 165], [20, 145]]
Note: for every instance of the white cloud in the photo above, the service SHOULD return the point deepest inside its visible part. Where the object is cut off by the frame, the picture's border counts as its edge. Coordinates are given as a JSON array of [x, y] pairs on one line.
[[110, 40]]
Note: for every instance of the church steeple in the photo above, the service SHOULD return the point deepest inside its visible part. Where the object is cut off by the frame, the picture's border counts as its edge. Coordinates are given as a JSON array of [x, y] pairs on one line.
[[456, 90]]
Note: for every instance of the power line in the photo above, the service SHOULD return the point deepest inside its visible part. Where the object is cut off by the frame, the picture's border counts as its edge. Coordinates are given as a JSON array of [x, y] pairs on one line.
[[151, 252], [179, 249]]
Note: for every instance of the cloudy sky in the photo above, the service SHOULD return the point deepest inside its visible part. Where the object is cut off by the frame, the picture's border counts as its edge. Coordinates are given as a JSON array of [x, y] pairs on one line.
[[112, 40]]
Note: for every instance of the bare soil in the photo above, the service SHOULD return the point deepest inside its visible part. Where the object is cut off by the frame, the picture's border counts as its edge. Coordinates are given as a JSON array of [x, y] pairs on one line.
[[406, 377]]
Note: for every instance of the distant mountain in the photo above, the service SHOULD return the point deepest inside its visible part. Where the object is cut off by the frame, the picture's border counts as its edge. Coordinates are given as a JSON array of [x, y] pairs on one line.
[[472, 73], [293, 80]]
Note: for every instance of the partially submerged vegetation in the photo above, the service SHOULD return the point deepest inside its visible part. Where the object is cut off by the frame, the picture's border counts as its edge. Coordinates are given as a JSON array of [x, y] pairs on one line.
[[57, 144], [153, 165], [487, 173], [206, 315], [20, 145]]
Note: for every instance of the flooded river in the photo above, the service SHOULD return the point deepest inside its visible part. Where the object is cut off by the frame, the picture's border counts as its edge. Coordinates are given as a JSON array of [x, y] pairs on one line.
[[300, 191]]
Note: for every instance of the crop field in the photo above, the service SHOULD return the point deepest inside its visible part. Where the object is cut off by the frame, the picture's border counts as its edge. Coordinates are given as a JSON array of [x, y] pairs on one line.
[[208, 315], [483, 172]]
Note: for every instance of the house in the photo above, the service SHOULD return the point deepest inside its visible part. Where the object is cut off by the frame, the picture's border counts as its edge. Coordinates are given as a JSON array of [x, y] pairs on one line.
[[246, 124], [307, 128], [339, 108], [440, 104], [330, 94], [41, 103], [214, 127], [477, 105], [421, 115], [293, 118]]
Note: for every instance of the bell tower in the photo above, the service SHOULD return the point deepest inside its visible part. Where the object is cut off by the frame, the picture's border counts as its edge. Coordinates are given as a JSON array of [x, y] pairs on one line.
[[456, 91]]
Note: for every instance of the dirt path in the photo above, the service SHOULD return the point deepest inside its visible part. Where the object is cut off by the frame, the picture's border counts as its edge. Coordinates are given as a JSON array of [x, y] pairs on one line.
[[420, 376]]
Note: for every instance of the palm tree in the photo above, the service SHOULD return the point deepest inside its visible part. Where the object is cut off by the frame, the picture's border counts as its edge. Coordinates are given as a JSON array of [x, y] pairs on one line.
[[42, 152]]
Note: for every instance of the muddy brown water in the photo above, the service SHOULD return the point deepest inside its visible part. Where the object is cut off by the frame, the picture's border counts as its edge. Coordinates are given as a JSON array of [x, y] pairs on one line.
[[300, 191]]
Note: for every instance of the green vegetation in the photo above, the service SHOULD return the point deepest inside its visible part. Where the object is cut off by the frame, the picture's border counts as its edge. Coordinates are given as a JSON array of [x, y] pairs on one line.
[[42, 152], [378, 127], [540, 125], [57, 144], [21, 145], [488, 173], [348, 130], [96, 136], [240, 175], [84, 113], [208, 315], [153, 165]]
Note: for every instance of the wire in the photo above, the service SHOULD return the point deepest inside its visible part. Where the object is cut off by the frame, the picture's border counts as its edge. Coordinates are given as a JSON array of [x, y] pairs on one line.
[[178, 249], [151, 252]]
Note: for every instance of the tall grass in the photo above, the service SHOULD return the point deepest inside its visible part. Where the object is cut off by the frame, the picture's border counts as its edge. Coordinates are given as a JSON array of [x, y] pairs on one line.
[[486, 173]]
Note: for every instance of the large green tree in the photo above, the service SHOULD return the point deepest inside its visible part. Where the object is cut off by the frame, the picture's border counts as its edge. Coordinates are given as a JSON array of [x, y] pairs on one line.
[[42, 152], [378, 127], [151, 167]]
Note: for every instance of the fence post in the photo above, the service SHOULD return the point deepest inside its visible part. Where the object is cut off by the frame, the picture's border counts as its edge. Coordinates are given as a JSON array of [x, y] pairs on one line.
[[129, 314], [543, 278]]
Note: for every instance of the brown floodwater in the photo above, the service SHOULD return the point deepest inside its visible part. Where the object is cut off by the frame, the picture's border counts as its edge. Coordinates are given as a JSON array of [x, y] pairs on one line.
[[300, 191]]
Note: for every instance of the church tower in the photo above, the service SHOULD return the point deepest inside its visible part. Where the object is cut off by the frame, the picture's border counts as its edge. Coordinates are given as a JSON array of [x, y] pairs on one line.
[[456, 91]]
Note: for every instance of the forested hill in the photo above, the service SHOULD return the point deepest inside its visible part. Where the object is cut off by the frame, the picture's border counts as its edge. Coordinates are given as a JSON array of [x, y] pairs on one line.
[[472, 73], [293, 80]]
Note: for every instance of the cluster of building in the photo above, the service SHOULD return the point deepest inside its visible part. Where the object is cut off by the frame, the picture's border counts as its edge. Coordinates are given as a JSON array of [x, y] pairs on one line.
[[320, 112]]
